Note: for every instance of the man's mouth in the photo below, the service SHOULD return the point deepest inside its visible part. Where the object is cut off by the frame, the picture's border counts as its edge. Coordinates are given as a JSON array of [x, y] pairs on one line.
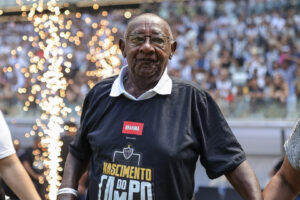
[[147, 63], [147, 60]]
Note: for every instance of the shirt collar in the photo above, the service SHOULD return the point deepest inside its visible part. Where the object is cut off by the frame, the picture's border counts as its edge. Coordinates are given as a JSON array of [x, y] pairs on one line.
[[163, 87]]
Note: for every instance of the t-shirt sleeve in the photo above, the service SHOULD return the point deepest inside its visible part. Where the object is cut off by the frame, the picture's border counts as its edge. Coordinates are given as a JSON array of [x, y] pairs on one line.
[[220, 151], [292, 147], [80, 147], [6, 145]]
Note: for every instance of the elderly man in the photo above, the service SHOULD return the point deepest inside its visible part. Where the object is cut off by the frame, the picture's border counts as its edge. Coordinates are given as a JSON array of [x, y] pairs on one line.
[[144, 131]]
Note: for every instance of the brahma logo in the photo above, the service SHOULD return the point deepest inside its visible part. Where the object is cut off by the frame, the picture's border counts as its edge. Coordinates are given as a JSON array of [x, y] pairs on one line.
[[133, 128]]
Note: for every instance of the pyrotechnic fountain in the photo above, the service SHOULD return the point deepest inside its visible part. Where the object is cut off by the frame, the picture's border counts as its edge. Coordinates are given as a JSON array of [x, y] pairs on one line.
[[48, 64]]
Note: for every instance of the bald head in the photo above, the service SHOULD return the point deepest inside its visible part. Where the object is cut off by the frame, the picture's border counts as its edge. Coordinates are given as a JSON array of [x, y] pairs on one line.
[[144, 18]]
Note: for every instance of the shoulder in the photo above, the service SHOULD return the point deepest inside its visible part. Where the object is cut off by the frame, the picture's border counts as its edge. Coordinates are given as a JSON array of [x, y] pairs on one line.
[[99, 93], [105, 83], [181, 86], [192, 92]]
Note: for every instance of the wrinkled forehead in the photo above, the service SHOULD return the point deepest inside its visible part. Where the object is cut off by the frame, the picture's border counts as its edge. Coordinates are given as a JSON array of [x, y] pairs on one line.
[[148, 26]]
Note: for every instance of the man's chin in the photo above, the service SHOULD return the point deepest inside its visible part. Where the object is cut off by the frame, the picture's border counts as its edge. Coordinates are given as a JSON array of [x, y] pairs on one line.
[[147, 75], [147, 70]]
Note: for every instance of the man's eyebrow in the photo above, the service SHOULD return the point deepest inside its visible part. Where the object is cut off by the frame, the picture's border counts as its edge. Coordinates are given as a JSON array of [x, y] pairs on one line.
[[138, 32], [157, 32], [143, 32]]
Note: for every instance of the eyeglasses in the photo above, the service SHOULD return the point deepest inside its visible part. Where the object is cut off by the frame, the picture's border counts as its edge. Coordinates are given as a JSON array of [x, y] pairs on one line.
[[156, 40]]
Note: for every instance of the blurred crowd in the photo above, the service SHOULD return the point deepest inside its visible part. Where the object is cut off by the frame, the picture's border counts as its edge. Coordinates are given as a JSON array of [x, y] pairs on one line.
[[246, 53]]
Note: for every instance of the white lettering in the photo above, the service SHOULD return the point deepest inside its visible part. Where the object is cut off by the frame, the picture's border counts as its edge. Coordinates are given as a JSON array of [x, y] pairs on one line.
[[109, 188], [134, 187], [121, 184], [144, 186], [114, 192], [133, 128], [118, 197], [103, 177]]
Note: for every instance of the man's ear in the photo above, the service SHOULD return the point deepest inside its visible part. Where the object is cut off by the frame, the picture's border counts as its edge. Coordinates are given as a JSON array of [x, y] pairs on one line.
[[122, 47], [173, 49]]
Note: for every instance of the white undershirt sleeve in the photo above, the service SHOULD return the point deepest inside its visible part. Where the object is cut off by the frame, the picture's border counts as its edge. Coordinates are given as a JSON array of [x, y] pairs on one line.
[[6, 145]]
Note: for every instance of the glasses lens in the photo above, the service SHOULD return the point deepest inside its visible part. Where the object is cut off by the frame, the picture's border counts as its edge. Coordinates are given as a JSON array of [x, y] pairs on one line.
[[137, 40], [158, 41]]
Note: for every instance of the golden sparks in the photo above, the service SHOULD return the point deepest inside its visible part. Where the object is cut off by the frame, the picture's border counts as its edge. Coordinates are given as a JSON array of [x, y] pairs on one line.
[[103, 52], [45, 78]]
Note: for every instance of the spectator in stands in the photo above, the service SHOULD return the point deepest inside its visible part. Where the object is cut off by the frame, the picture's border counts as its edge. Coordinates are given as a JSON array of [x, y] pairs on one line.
[[287, 69], [33, 163], [275, 68], [256, 94], [238, 48], [279, 89], [209, 7], [256, 67], [225, 58], [223, 83], [224, 95], [272, 56], [211, 85]]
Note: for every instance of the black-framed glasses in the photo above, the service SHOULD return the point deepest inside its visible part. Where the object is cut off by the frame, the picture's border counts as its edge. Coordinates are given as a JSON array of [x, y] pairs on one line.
[[155, 40]]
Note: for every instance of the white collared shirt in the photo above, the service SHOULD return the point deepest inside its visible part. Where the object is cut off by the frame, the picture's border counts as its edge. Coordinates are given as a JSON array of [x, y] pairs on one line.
[[163, 87]]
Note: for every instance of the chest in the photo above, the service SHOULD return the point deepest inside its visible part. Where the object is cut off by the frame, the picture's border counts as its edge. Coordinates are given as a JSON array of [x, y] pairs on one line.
[[145, 132]]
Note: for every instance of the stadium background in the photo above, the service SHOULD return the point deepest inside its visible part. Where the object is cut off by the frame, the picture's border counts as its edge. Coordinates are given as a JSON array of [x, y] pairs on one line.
[[245, 53]]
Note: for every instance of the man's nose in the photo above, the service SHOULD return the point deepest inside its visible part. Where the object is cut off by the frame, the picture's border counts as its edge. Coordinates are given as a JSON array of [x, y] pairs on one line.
[[147, 46]]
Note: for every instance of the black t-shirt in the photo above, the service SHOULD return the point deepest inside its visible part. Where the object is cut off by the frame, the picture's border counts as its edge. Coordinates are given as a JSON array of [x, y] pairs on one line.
[[148, 149]]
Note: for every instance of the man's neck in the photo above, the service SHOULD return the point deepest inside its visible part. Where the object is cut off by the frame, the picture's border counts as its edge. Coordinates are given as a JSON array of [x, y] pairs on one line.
[[137, 86]]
